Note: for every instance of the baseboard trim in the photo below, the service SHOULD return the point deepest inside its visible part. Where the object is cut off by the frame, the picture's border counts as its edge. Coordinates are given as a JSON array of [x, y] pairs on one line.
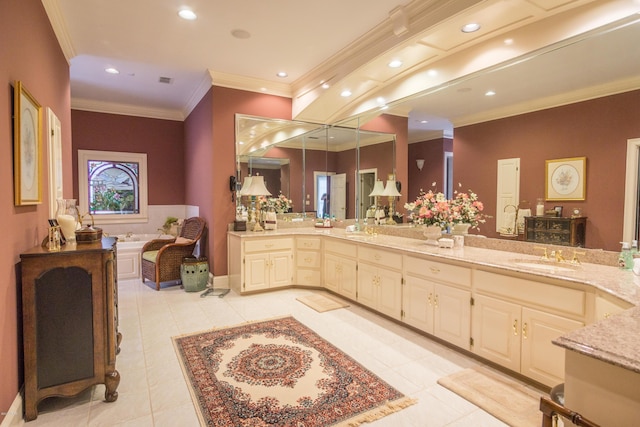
[[221, 282], [13, 417]]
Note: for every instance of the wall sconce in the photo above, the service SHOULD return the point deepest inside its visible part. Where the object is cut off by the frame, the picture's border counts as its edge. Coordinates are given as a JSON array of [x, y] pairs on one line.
[[420, 164]]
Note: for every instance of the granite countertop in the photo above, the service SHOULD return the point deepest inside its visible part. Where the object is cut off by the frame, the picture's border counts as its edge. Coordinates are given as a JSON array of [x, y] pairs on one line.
[[613, 340]]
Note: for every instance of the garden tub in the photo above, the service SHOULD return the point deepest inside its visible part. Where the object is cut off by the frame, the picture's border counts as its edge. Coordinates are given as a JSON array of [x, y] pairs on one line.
[[130, 251]]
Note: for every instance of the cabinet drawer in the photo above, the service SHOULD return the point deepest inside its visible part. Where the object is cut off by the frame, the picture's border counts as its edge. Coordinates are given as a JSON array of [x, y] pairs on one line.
[[308, 243], [381, 257], [308, 259], [339, 248], [308, 277], [260, 245], [438, 271], [545, 295]]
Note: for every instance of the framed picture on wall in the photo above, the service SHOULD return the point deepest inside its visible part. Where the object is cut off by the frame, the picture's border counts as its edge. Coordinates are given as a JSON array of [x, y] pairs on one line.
[[565, 179], [27, 143]]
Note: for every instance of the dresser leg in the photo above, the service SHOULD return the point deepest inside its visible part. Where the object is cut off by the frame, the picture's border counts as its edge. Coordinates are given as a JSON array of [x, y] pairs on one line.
[[111, 381]]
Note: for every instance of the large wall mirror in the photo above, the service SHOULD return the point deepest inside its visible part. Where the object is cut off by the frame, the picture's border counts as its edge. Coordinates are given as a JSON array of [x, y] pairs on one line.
[[324, 170]]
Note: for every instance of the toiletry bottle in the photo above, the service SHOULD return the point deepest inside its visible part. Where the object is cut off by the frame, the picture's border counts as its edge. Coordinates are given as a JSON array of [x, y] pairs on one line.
[[625, 259]]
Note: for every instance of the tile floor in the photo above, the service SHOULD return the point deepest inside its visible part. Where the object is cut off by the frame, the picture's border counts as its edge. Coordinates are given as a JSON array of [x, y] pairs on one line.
[[153, 391]]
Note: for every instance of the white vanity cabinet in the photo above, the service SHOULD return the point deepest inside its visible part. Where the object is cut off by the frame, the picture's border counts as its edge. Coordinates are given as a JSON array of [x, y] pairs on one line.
[[380, 280], [340, 267], [515, 321], [308, 257], [606, 306], [260, 263], [436, 298]]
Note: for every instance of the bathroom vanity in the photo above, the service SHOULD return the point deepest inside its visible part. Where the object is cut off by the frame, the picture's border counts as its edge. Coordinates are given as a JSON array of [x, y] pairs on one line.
[[502, 306]]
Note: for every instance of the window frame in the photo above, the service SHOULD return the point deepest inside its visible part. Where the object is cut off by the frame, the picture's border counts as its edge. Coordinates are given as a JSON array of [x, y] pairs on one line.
[[85, 156]]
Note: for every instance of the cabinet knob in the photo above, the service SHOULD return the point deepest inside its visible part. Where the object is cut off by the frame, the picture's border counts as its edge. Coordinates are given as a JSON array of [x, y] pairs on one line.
[[434, 270]]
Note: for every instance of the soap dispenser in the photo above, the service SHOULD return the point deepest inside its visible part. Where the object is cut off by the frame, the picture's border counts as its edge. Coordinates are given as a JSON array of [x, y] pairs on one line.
[[625, 259]]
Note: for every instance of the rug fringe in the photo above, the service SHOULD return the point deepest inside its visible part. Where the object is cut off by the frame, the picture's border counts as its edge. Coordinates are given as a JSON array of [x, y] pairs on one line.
[[379, 412]]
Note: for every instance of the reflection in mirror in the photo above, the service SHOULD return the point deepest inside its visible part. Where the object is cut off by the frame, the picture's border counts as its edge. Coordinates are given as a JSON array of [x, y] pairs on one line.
[[314, 165]]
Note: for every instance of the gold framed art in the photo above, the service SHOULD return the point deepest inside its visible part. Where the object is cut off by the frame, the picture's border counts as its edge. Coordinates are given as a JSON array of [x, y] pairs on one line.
[[27, 147], [565, 179]]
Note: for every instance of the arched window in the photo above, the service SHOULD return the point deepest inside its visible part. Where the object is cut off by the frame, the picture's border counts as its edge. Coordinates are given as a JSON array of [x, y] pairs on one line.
[[113, 186]]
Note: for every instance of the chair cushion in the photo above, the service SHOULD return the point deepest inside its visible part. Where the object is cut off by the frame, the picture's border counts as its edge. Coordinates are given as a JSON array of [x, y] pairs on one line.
[[150, 256], [183, 240]]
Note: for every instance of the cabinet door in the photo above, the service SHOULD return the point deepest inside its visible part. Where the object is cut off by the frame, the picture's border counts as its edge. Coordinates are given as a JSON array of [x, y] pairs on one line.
[[256, 272], [389, 298], [541, 360], [280, 269], [417, 303], [347, 283], [496, 331], [452, 315], [368, 285], [331, 272]]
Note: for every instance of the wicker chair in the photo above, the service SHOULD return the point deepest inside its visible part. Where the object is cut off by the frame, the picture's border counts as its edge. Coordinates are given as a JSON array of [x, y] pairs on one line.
[[162, 258]]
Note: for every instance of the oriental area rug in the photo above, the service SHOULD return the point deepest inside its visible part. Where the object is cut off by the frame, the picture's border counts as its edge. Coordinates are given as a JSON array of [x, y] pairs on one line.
[[278, 372], [505, 399]]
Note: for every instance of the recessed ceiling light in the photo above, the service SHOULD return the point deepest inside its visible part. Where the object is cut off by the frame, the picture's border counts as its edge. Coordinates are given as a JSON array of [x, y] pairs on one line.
[[112, 70], [489, 93], [345, 93], [395, 63], [187, 14], [470, 28], [508, 41], [432, 73], [282, 74], [325, 86], [263, 89], [240, 34]]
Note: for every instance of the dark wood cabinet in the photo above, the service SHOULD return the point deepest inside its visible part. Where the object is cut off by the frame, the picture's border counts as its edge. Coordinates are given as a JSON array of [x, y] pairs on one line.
[[70, 321], [555, 230]]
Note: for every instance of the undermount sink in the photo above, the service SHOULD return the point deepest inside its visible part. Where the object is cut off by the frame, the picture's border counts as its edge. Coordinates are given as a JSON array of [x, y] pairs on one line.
[[550, 266]]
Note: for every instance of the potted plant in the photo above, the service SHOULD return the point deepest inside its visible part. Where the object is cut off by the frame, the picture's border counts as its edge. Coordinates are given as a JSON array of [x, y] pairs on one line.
[[171, 226]]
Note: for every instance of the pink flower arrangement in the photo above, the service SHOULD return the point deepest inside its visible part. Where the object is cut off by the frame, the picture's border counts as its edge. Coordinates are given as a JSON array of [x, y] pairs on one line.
[[430, 209], [467, 209], [434, 209]]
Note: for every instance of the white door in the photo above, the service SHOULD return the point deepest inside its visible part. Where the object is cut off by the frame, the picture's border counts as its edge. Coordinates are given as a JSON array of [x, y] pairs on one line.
[[338, 203], [508, 191]]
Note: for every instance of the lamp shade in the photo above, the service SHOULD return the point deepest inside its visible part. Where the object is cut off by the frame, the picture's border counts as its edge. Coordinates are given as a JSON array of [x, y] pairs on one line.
[[244, 191], [257, 187], [391, 190], [378, 189]]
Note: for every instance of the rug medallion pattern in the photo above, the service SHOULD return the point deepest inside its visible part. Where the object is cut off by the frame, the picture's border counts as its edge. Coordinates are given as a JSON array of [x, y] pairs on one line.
[[280, 373]]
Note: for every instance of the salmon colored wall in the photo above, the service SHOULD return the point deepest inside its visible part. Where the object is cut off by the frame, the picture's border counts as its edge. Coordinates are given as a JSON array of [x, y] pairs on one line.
[[29, 52], [162, 140], [199, 165], [597, 129], [433, 171], [217, 162]]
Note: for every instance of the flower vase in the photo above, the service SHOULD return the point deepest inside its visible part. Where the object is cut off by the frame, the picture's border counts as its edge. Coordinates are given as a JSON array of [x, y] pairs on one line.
[[432, 233], [460, 229]]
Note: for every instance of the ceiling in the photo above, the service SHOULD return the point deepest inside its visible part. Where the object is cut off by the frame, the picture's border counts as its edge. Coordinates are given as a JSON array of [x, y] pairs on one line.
[[561, 51]]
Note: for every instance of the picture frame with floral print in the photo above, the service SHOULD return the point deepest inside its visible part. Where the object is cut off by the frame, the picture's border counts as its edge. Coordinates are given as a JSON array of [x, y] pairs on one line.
[[27, 147], [565, 179]]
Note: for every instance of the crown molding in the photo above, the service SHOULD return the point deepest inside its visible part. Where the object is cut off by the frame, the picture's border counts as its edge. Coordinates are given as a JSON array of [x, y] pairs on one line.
[[59, 25], [125, 110], [593, 92], [200, 91], [250, 84]]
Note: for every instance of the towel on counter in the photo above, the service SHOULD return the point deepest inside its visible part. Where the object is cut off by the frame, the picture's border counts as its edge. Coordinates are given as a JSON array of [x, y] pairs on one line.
[[521, 214], [508, 223]]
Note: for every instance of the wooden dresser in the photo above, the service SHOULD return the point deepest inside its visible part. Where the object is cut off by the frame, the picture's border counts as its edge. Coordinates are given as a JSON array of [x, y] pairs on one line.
[[556, 230], [70, 321]]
